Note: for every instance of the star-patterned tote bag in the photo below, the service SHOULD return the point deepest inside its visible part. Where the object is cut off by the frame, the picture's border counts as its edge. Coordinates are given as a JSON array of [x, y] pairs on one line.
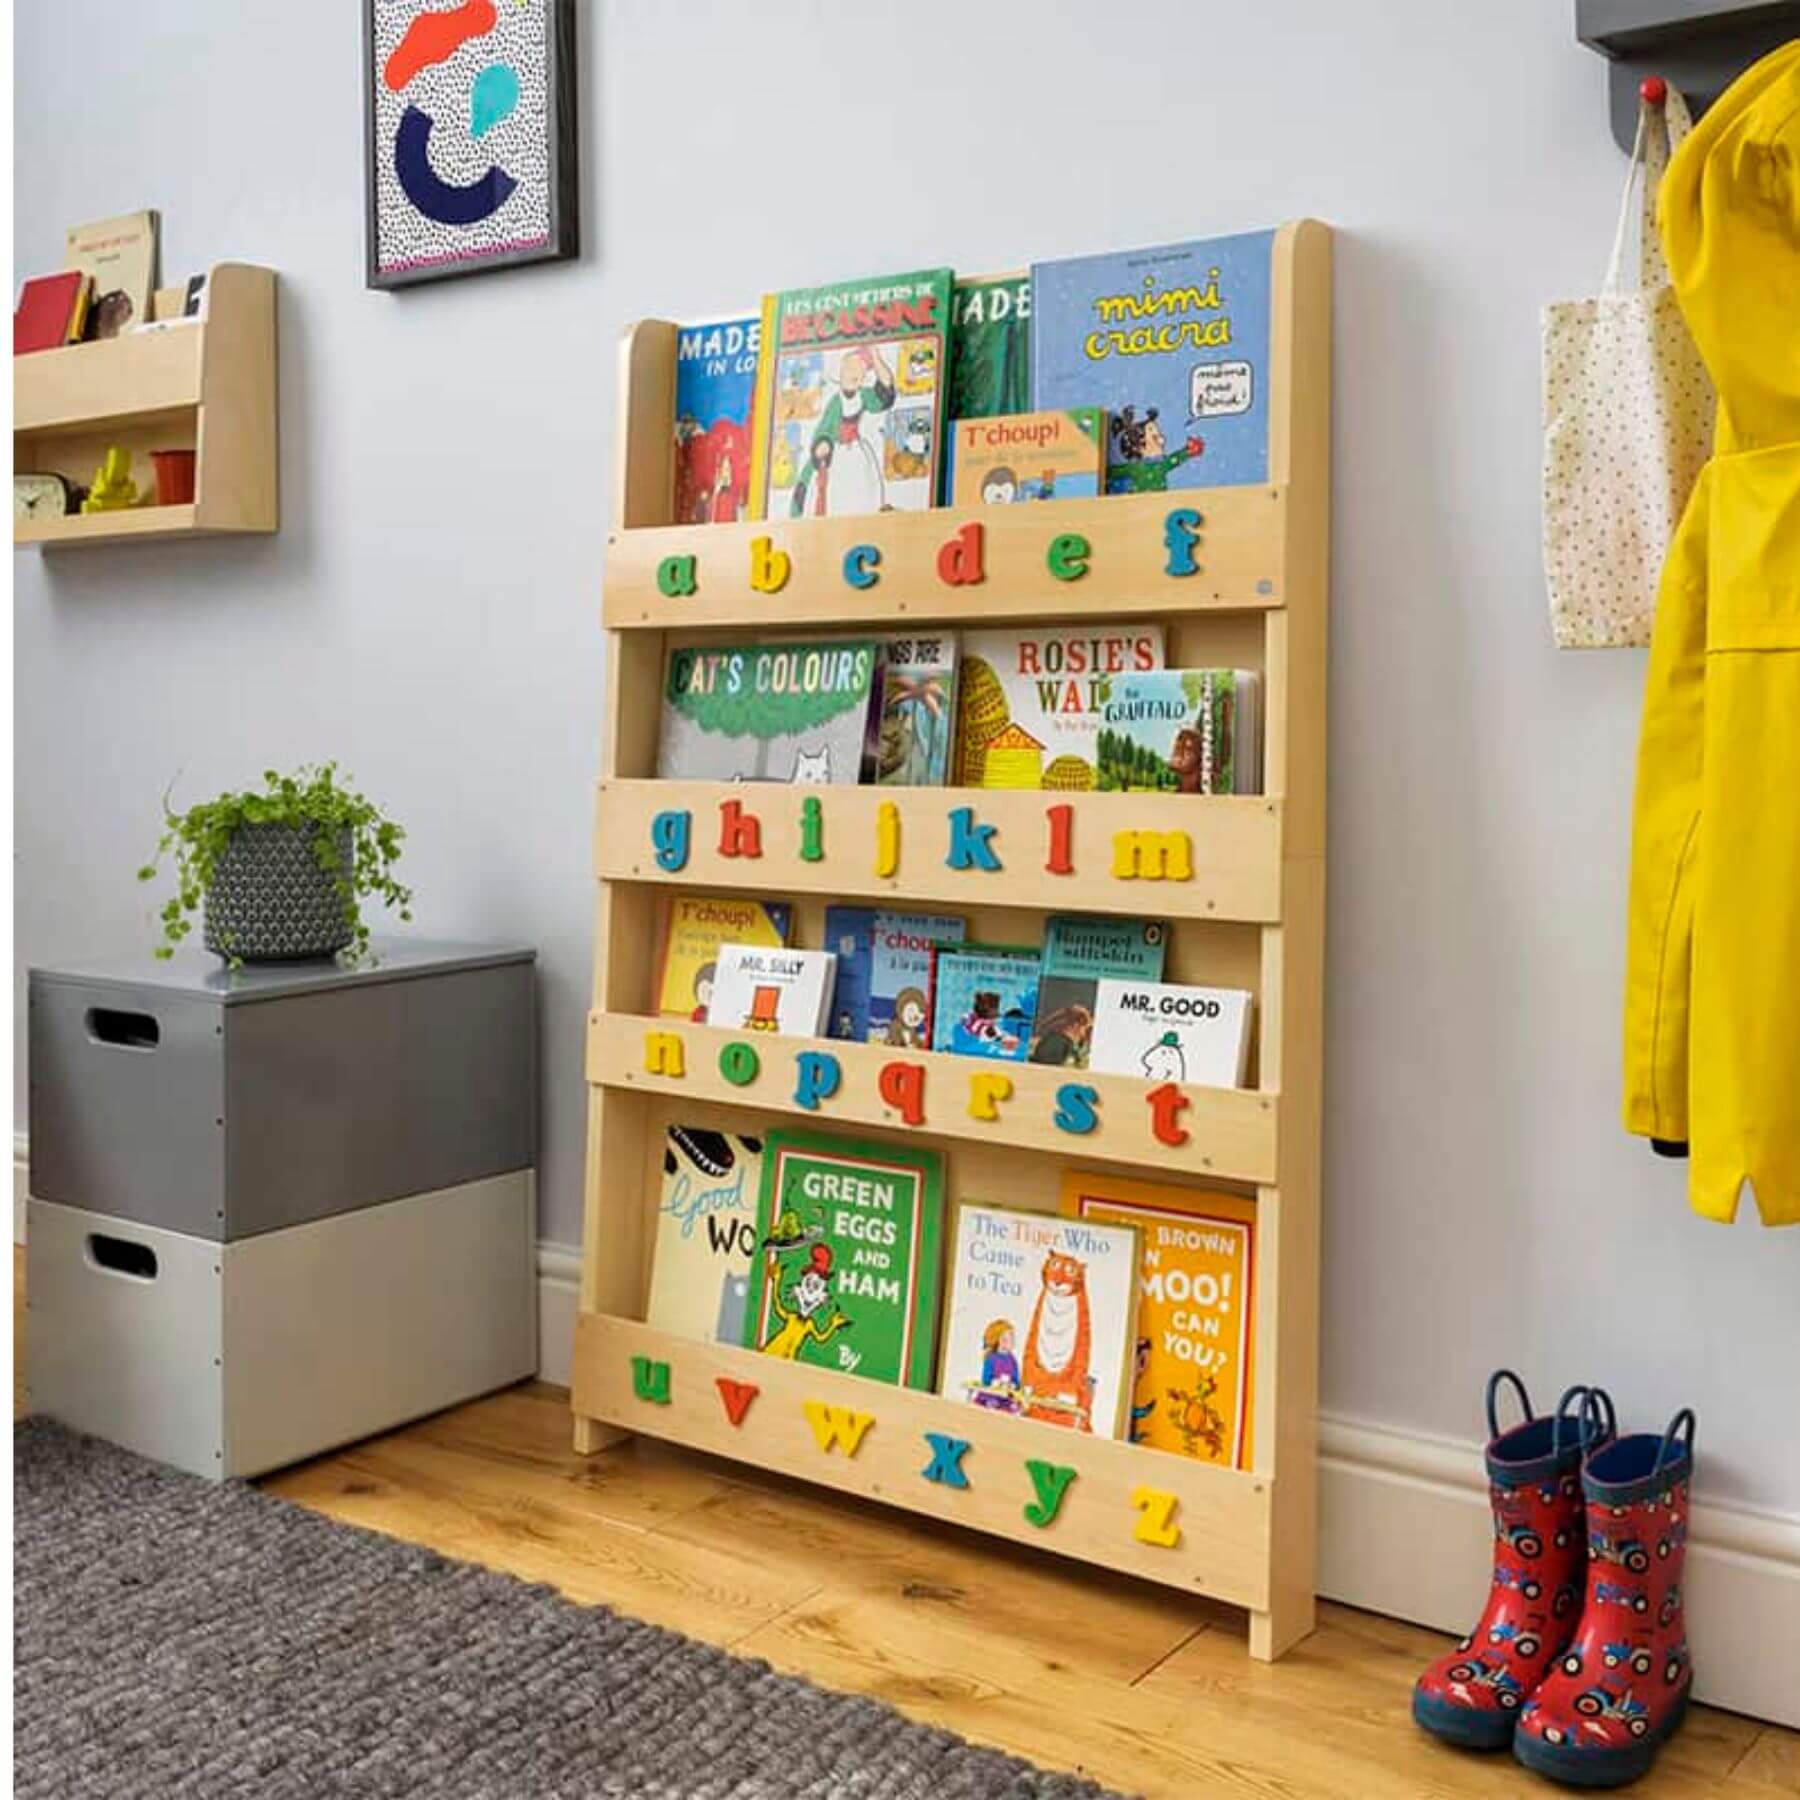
[[1628, 422]]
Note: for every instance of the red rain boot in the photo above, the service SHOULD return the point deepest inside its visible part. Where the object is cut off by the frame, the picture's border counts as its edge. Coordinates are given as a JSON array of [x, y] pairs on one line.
[[1473, 1696], [1621, 1689]]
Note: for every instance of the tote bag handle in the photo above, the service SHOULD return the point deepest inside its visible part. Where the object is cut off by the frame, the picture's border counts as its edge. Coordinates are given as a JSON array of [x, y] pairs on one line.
[[1659, 135]]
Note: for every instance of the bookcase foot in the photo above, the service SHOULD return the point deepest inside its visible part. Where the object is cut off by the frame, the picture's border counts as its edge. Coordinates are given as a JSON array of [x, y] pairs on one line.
[[1290, 1618], [594, 1435]]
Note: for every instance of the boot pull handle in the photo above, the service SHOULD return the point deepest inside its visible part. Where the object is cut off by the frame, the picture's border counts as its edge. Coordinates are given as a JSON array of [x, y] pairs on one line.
[[1493, 1395], [1681, 1428], [1576, 1422], [1599, 1423]]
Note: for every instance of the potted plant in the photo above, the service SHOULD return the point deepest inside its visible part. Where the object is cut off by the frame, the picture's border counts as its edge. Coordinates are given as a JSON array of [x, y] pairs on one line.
[[281, 872]]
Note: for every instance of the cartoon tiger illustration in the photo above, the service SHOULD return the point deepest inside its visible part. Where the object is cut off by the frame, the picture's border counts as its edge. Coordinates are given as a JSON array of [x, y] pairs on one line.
[[1059, 1347]]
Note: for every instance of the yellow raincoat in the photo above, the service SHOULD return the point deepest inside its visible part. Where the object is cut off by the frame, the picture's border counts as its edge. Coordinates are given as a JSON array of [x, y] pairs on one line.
[[1712, 1000]]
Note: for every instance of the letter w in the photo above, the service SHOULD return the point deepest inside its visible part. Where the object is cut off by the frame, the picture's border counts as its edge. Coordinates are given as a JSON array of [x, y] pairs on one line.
[[837, 1425]]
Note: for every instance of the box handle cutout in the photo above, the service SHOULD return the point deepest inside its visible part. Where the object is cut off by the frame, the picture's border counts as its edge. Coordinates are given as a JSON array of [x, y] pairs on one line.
[[120, 1256], [123, 1030]]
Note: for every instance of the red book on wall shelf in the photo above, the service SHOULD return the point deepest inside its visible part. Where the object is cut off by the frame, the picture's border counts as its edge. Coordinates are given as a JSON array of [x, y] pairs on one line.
[[49, 306]]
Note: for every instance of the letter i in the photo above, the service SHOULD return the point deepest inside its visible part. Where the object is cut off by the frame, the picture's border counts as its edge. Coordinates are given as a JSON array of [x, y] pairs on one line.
[[812, 829]]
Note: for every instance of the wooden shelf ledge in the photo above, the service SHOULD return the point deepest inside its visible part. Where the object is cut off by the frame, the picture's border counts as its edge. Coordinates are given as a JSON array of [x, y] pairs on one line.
[[1223, 1514], [1234, 846], [1232, 1132], [122, 527], [1240, 556], [117, 378]]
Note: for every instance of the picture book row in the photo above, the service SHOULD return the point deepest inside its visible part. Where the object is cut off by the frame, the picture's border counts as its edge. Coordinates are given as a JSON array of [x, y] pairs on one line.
[[1078, 709], [1090, 997], [1130, 372], [1129, 1314], [103, 289]]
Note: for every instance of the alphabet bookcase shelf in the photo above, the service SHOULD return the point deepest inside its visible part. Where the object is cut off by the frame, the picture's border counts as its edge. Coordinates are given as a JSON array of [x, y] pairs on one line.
[[1240, 880]]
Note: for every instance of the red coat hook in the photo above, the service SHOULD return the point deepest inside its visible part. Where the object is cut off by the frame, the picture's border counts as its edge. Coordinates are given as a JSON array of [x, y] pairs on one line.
[[1653, 90]]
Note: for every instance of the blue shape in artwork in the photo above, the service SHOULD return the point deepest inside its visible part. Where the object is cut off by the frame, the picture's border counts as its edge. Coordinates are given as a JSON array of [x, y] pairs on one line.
[[438, 199], [492, 98]]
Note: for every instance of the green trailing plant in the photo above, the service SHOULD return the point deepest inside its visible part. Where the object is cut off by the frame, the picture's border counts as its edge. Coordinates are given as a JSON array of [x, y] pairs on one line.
[[311, 801]]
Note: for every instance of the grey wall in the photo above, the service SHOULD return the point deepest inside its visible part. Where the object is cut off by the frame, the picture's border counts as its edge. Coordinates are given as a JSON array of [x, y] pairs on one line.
[[428, 612]]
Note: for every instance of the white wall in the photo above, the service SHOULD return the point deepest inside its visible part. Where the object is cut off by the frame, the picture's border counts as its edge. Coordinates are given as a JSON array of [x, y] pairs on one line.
[[429, 611]]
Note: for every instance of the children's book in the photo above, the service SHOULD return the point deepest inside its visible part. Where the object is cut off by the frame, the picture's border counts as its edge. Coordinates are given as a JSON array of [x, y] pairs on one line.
[[983, 1001], [1193, 1354], [918, 710], [884, 973], [1174, 343], [120, 254], [773, 989], [848, 1267], [698, 926], [1028, 456], [1165, 1031], [1042, 1313], [770, 712], [990, 346], [705, 1234], [51, 312], [1181, 731], [715, 385], [1028, 700], [1078, 951], [849, 411]]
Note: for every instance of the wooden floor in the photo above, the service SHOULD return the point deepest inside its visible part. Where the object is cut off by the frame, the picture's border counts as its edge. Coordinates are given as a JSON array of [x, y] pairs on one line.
[[1144, 1690]]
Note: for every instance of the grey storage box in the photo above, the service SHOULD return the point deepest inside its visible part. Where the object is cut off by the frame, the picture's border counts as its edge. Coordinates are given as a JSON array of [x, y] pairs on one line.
[[279, 1208], [226, 1102]]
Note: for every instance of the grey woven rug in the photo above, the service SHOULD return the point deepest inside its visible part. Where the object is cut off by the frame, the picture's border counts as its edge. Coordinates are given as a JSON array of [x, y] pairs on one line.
[[182, 1640]]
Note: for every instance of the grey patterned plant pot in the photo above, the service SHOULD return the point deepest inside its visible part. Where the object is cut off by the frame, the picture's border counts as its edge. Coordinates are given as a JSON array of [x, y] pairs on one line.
[[271, 902]]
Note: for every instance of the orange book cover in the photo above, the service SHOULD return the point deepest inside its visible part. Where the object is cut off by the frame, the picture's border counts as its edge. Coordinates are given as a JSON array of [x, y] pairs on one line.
[[1193, 1383]]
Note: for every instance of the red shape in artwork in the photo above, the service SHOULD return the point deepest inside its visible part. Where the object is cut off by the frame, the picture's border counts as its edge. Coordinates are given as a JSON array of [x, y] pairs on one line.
[[737, 1396], [435, 36]]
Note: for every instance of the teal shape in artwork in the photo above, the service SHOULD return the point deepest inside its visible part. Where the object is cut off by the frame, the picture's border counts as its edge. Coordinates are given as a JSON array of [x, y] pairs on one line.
[[493, 97]]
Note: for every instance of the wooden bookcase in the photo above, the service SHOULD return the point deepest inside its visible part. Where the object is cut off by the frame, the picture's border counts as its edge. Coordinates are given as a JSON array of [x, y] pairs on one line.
[[1251, 914], [207, 387]]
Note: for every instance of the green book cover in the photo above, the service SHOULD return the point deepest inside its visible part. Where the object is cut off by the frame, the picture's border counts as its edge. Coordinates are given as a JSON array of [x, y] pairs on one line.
[[849, 1260], [1078, 951], [990, 349]]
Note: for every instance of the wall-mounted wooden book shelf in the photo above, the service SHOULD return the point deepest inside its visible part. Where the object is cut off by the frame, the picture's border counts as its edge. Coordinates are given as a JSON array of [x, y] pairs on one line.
[[208, 387], [1244, 899]]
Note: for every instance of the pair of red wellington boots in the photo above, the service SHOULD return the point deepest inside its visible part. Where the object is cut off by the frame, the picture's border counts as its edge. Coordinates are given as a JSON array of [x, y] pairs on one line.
[[1580, 1660]]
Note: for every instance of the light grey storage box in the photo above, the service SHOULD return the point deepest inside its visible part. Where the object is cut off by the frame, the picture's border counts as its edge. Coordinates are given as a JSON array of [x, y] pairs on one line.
[[279, 1208]]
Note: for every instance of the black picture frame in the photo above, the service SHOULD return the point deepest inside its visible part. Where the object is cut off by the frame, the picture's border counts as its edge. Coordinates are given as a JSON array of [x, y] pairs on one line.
[[561, 148]]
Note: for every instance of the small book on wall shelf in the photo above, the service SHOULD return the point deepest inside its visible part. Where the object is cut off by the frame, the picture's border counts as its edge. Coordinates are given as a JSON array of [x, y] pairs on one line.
[[51, 312], [697, 929], [1167, 1031]]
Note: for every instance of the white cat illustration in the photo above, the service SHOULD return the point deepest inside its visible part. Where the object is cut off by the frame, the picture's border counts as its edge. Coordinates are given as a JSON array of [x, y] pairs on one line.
[[812, 765]]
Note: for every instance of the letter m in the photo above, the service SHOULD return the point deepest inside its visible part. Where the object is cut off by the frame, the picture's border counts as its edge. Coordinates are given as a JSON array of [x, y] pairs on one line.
[[1152, 856]]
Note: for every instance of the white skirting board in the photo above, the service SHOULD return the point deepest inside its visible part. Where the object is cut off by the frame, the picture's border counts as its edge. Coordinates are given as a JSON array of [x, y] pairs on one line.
[[1404, 1531]]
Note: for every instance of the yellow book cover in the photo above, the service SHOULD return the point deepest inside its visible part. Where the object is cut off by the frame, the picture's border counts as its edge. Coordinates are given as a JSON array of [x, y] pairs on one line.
[[1193, 1390], [120, 254], [698, 925]]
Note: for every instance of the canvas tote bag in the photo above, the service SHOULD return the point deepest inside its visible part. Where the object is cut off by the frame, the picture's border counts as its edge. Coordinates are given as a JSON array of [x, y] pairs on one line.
[[1628, 422]]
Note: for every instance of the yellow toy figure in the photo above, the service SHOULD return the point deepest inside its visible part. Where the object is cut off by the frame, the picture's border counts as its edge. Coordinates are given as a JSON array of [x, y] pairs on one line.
[[1712, 1022], [802, 1322], [113, 487]]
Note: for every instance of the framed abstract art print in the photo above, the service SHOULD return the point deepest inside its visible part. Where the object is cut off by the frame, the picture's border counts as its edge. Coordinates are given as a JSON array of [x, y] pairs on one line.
[[471, 141]]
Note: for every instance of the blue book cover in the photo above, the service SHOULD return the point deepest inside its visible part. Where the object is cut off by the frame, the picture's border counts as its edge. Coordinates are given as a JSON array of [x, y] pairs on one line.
[[1174, 343], [884, 973], [1078, 951], [983, 1002], [715, 384]]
